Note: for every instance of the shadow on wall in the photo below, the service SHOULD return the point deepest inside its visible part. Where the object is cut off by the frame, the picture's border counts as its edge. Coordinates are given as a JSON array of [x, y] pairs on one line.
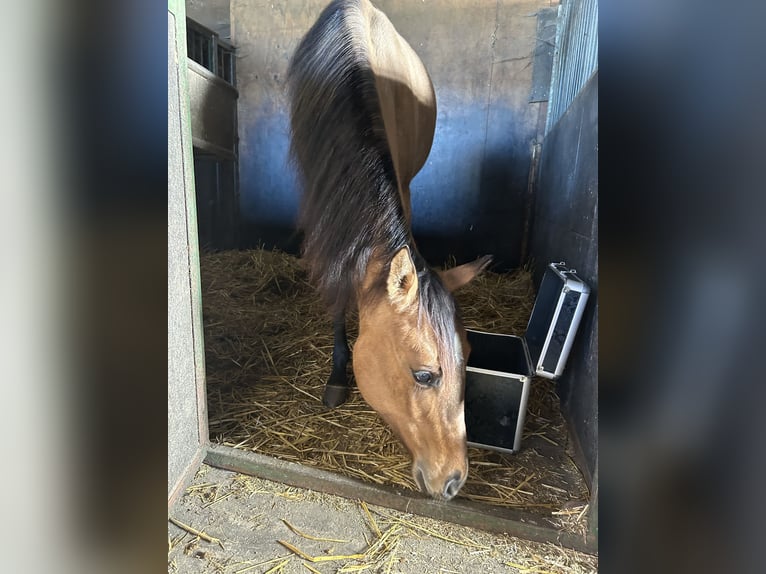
[[481, 209], [269, 190], [466, 201]]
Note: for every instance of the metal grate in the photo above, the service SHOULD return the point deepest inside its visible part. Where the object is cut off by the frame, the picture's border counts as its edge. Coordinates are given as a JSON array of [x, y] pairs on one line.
[[226, 61], [576, 55], [209, 51], [200, 44]]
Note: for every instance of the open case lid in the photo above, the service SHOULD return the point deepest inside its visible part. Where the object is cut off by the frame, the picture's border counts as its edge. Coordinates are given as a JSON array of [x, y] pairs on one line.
[[498, 354], [554, 318]]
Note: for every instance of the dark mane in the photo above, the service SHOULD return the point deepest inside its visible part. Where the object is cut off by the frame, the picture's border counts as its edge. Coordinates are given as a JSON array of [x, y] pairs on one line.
[[351, 205], [438, 306], [350, 202]]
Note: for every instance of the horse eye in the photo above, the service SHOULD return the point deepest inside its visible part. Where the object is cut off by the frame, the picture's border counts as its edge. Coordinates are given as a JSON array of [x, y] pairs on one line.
[[425, 378]]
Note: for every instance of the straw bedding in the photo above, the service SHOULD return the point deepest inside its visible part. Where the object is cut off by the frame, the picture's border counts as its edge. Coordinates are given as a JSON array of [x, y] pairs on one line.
[[268, 343]]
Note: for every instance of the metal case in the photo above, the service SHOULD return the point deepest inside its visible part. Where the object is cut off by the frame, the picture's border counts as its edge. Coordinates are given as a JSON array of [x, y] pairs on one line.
[[500, 367]]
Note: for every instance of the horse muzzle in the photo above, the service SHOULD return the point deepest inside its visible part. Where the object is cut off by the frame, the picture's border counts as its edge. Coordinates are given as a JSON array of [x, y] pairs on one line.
[[442, 488]]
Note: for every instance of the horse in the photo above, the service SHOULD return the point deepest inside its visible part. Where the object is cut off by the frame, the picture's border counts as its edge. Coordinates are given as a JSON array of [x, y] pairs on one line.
[[362, 120]]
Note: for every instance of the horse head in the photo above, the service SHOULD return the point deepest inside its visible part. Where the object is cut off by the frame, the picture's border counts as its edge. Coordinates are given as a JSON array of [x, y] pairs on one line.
[[409, 364]]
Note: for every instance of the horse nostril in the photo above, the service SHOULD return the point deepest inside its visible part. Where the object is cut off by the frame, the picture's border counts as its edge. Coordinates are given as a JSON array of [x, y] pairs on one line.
[[452, 486]]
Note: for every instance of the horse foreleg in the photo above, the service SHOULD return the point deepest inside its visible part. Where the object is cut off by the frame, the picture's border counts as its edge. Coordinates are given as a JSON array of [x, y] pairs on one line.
[[336, 390]]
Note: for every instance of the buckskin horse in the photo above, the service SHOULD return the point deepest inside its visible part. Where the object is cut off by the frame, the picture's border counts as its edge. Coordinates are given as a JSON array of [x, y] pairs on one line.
[[362, 115]]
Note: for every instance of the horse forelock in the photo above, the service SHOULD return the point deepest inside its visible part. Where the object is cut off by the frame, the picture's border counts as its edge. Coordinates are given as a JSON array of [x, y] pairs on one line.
[[437, 307]]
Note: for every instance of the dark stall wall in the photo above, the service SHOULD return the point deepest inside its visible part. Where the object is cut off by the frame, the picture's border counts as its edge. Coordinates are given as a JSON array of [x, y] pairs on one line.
[[469, 198], [565, 228]]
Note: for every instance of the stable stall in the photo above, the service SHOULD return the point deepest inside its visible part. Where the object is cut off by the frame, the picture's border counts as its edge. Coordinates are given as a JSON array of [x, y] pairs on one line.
[[512, 173]]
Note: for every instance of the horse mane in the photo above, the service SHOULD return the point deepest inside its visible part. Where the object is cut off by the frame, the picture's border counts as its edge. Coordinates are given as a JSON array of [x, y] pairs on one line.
[[350, 204], [351, 208]]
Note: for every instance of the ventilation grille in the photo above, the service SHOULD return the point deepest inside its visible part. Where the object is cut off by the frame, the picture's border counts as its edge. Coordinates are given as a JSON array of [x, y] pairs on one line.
[[576, 55], [209, 51]]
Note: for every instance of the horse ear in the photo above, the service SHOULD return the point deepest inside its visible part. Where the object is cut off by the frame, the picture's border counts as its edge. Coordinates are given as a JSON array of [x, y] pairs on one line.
[[458, 276], [402, 284]]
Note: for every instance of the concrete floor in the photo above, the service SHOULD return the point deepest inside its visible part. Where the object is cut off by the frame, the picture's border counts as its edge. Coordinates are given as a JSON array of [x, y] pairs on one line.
[[249, 516]]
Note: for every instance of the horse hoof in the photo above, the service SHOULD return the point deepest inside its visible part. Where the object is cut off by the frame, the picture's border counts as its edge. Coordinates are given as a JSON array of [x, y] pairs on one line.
[[335, 396]]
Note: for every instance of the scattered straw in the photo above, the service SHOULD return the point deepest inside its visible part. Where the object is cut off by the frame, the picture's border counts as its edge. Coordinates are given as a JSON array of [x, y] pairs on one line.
[[370, 519], [412, 525], [399, 541], [203, 486], [327, 558], [268, 342], [277, 568], [218, 499], [573, 518], [196, 532], [264, 563], [308, 536]]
